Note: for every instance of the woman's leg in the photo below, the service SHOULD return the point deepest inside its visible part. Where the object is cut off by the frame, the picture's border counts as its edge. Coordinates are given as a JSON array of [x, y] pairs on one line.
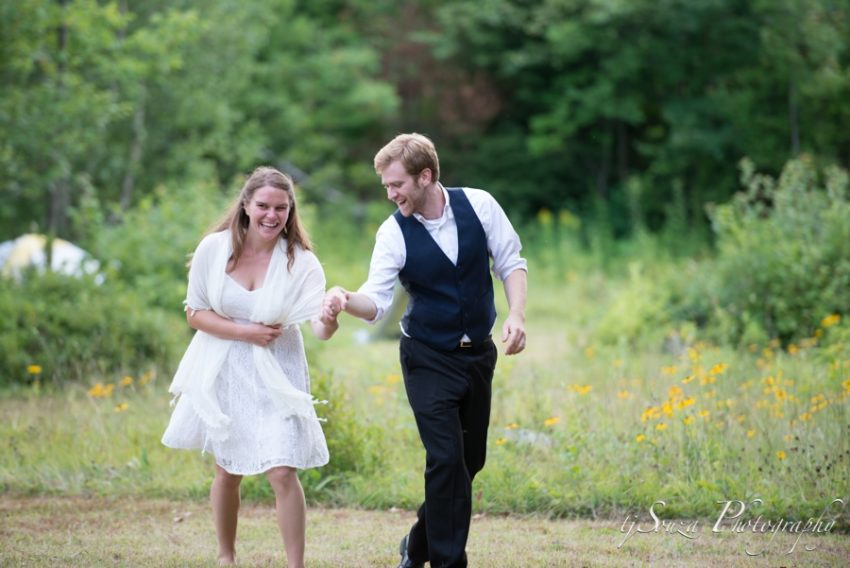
[[291, 512], [224, 496]]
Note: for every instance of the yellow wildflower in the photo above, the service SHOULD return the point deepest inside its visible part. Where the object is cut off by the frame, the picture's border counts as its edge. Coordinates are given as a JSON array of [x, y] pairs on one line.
[[789, 437], [793, 349], [121, 407], [617, 363], [650, 413], [688, 420], [668, 370], [661, 426], [376, 390], [393, 378], [581, 389], [544, 217], [846, 385], [780, 455], [718, 369], [146, 378], [805, 416], [626, 394], [512, 426], [33, 369], [589, 352], [100, 390], [751, 433], [704, 413], [640, 438], [675, 392], [667, 408], [500, 441], [830, 320], [126, 381], [551, 421]]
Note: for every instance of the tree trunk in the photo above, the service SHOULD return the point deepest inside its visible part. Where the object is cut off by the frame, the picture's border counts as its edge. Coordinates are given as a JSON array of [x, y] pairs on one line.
[[793, 119], [59, 189], [622, 151], [139, 135]]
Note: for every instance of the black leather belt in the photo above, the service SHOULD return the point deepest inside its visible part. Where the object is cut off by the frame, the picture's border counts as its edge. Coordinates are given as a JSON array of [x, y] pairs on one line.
[[468, 344]]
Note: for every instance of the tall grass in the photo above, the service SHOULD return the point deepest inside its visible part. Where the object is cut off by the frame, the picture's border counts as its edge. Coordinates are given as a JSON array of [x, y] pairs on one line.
[[583, 424]]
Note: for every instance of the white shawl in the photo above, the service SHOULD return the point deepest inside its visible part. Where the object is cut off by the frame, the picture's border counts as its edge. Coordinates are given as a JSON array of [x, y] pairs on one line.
[[286, 298]]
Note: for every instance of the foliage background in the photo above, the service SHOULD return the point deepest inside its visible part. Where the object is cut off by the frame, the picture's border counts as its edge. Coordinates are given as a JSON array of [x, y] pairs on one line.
[[678, 172]]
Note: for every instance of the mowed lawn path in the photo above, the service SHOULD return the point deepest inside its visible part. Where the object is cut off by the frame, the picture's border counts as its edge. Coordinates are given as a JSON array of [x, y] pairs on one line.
[[63, 531]]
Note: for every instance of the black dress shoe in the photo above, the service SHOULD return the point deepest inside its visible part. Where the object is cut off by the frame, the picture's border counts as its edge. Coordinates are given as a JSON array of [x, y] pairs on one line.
[[406, 562]]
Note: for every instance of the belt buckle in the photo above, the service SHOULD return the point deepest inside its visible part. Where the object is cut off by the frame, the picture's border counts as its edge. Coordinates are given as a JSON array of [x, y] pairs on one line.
[[465, 344]]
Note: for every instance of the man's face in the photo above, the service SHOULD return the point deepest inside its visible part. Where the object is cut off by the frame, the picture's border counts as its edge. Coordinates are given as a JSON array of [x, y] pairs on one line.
[[406, 191]]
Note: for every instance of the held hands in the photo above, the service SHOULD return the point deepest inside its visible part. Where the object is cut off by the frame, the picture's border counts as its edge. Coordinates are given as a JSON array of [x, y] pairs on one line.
[[260, 334], [513, 333], [335, 301]]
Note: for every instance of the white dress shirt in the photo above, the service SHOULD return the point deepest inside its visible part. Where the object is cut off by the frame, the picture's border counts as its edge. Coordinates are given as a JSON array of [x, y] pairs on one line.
[[390, 252]]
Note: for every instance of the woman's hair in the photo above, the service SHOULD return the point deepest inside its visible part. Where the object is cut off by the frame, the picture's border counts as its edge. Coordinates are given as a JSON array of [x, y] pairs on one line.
[[237, 220], [415, 151]]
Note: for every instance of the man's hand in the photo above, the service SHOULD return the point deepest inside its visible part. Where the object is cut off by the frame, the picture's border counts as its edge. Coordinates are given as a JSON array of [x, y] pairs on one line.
[[513, 333], [335, 301]]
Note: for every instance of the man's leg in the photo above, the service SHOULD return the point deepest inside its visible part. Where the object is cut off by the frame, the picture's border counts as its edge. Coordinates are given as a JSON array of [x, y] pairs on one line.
[[475, 409], [439, 387]]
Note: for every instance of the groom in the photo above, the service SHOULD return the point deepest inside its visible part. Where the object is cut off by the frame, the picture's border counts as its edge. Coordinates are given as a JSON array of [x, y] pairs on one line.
[[439, 244]]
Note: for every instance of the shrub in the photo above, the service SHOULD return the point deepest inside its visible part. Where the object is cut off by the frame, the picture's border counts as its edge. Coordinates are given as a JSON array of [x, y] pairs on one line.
[[149, 248], [60, 328], [783, 260]]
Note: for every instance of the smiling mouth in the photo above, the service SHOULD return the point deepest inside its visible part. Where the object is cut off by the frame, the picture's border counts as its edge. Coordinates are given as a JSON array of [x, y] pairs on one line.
[[270, 225]]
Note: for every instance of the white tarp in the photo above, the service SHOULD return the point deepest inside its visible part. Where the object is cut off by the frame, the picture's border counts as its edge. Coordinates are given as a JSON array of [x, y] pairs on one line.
[[29, 250]]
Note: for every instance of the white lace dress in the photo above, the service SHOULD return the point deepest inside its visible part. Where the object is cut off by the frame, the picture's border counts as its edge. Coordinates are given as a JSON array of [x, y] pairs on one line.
[[259, 438]]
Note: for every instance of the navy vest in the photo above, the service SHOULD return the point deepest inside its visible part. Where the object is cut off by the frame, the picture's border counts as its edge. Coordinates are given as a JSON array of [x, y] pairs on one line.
[[447, 301]]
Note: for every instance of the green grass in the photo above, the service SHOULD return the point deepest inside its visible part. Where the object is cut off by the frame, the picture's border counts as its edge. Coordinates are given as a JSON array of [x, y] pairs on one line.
[[567, 436]]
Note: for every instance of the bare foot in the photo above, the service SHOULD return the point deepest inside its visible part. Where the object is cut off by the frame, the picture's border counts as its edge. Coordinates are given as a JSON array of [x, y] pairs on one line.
[[226, 561]]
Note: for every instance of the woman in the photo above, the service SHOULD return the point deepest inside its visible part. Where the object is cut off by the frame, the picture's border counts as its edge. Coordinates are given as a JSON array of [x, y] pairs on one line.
[[243, 384]]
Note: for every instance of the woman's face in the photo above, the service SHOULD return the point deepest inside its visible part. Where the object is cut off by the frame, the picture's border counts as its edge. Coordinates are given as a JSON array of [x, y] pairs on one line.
[[267, 212]]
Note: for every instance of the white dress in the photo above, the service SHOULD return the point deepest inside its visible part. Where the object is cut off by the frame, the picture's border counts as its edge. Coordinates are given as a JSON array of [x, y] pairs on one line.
[[259, 438]]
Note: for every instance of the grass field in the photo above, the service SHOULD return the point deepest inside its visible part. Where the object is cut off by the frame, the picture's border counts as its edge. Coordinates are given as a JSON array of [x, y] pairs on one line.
[[580, 428]]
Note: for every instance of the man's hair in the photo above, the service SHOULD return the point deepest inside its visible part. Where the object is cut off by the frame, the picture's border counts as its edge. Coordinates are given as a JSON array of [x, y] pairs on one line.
[[415, 151]]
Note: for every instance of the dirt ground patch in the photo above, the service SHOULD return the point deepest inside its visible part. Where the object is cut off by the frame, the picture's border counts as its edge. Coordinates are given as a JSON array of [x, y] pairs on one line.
[[65, 531]]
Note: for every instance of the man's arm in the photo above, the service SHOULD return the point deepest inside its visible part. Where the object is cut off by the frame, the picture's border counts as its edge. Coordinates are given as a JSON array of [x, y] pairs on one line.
[[359, 305], [513, 330]]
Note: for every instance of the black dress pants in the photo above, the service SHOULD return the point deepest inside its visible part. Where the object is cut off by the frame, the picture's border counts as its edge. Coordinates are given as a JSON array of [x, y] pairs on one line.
[[449, 392]]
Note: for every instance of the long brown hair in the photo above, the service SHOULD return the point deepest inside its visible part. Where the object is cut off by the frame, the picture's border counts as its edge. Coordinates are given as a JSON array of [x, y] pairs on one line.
[[237, 220]]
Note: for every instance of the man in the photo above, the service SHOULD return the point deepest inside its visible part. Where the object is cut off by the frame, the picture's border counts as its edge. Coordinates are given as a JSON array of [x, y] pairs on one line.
[[439, 244]]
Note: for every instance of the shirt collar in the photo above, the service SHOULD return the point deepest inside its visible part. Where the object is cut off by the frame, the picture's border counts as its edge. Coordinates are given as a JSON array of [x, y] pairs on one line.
[[447, 212]]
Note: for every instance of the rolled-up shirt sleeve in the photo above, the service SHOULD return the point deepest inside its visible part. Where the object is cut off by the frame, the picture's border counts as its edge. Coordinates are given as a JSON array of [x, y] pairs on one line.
[[503, 241], [388, 259]]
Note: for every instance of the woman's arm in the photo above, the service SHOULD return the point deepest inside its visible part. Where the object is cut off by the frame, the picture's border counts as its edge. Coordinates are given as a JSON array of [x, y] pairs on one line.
[[210, 322], [324, 329]]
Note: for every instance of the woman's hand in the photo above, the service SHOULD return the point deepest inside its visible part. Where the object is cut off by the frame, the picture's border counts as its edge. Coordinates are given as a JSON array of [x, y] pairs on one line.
[[335, 301], [260, 334]]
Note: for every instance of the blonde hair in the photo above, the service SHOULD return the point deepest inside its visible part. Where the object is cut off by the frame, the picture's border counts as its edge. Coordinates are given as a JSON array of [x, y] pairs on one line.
[[237, 220], [416, 152]]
